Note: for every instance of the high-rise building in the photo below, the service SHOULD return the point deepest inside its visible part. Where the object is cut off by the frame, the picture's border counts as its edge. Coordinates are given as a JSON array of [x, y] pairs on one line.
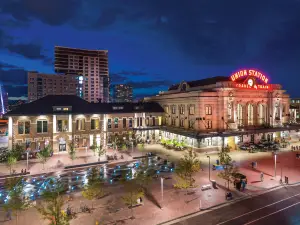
[[91, 64], [3, 100], [40, 85], [122, 93]]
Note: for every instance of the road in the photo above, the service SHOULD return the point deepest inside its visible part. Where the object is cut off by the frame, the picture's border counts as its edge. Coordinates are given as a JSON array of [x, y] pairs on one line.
[[280, 206]]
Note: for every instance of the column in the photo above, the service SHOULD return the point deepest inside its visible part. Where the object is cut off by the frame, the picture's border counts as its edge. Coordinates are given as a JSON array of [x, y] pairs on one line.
[[10, 132], [70, 122], [54, 124]]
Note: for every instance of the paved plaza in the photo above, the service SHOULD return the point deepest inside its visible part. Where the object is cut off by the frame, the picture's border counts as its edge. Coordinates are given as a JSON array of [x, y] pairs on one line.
[[175, 203]]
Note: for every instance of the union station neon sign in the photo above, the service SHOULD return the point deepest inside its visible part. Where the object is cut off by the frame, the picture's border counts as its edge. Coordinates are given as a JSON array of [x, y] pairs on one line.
[[250, 77]]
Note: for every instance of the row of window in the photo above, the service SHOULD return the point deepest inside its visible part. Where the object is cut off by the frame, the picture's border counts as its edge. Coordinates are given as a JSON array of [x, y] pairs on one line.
[[208, 123], [139, 121], [191, 109]]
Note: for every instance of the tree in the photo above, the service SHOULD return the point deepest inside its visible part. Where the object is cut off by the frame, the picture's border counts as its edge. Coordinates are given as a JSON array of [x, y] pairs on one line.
[[132, 193], [15, 201], [94, 187], [44, 154], [188, 165], [72, 151], [141, 147], [11, 161], [93, 147], [52, 207], [100, 151], [124, 147], [228, 167]]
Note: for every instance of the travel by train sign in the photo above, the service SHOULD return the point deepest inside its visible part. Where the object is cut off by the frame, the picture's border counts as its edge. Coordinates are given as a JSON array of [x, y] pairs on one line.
[[251, 79]]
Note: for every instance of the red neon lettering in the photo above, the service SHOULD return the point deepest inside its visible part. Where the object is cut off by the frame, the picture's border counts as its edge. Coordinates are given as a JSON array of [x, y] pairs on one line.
[[254, 73]]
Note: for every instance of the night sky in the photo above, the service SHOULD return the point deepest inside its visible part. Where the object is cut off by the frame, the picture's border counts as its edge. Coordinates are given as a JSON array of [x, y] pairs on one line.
[[154, 43]]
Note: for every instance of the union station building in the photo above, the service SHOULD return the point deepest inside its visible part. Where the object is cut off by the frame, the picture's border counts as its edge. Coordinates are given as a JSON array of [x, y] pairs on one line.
[[213, 112]]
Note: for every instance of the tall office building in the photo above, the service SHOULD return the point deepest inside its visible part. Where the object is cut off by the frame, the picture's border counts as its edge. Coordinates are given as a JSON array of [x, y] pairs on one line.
[[3, 100], [122, 93], [41, 85], [91, 64]]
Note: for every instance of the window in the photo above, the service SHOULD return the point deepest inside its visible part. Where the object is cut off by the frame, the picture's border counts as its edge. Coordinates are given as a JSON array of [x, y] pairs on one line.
[[42, 126], [116, 122], [153, 121], [141, 121], [147, 121], [109, 123], [95, 124], [181, 110], [24, 127], [173, 122], [124, 122], [208, 124], [182, 123], [192, 110], [138, 122], [208, 110], [191, 124], [130, 122], [173, 109], [166, 109], [62, 125], [80, 124]]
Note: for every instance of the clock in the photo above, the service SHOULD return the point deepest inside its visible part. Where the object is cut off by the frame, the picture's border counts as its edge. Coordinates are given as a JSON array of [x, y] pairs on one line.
[[250, 82]]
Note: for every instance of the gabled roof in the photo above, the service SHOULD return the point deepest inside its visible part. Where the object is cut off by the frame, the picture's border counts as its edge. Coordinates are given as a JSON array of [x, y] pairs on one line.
[[203, 82], [44, 106]]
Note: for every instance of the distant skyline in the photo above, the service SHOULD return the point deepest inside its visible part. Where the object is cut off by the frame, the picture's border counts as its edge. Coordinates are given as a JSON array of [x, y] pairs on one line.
[[153, 43]]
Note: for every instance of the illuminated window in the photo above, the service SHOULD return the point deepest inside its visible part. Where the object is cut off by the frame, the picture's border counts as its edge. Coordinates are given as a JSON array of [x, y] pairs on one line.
[[166, 109], [182, 123], [208, 124], [62, 125], [42, 126], [95, 124], [192, 110], [181, 110], [80, 124], [130, 122], [208, 110], [116, 122], [147, 121], [23, 127], [109, 123], [191, 124], [173, 109]]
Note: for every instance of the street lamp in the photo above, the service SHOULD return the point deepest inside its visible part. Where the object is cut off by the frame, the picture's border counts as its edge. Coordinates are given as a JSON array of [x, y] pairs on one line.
[[162, 190], [275, 159], [208, 166]]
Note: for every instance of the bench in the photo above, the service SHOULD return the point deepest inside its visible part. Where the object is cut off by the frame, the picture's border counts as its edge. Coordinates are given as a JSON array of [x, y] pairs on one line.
[[205, 187]]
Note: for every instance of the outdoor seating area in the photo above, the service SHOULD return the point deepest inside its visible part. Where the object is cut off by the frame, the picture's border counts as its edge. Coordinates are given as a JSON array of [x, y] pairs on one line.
[[174, 144]]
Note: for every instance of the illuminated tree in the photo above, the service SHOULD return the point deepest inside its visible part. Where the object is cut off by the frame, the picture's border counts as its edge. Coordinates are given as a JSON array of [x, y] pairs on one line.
[[52, 207], [72, 151], [15, 199], [10, 162], [187, 167], [44, 154]]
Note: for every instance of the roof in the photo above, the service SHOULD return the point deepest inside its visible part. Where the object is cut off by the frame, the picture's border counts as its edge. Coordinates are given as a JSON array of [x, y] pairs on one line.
[[203, 82], [77, 105]]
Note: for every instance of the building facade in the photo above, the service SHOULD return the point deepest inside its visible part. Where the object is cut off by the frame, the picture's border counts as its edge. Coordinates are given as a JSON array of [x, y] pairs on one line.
[[91, 64], [41, 85], [3, 100], [61, 120], [122, 93], [222, 111]]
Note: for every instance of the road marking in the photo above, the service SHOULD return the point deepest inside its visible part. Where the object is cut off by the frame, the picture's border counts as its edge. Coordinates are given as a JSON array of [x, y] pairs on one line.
[[253, 221], [258, 209]]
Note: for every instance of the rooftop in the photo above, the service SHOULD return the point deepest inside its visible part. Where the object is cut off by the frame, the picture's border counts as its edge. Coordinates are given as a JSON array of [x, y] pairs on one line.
[[75, 105]]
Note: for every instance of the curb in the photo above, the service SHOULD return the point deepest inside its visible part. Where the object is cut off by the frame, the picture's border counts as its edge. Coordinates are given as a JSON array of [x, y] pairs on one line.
[[204, 210]]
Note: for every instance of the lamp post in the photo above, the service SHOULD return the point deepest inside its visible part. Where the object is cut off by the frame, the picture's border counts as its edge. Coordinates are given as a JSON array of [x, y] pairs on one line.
[[208, 166], [27, 154], [275, 159], [162, 190]]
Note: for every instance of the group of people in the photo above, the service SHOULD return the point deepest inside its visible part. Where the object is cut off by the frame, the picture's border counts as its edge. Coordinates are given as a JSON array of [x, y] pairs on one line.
[[295, 148], [240, 184]]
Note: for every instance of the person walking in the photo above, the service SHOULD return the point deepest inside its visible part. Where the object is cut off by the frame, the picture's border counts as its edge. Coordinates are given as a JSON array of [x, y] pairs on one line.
[[8, 214], [261, 176]]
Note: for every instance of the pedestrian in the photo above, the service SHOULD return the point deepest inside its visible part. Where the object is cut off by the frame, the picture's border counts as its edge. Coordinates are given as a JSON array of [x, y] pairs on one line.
[[25, 171], [22, 171], [261, 176]]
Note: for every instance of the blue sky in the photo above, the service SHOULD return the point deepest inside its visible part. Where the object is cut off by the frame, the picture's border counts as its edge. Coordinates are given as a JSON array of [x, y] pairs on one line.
[[153, 43]]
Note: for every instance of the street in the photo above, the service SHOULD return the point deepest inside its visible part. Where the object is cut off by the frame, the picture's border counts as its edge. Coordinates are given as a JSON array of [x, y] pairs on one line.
[[276, 207]]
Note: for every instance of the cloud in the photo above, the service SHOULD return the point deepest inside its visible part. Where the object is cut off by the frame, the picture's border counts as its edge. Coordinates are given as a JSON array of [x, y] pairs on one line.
[[30, 50], [117, 78], [11, 75]]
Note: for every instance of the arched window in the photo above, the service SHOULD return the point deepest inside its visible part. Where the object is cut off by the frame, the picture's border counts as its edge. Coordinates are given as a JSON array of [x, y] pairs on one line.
[[250, 114], [240, 114]]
